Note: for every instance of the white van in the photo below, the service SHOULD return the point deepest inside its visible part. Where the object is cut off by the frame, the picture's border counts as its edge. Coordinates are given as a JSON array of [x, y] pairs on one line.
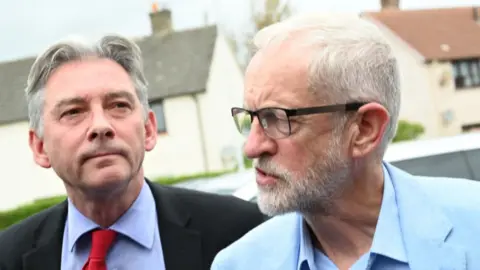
[[456, 156]]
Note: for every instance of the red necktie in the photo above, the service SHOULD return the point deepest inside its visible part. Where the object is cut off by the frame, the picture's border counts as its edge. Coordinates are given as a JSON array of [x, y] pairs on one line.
[[101, 242]]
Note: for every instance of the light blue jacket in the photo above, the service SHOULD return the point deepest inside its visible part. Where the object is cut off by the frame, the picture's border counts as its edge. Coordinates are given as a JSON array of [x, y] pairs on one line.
[[439, 217]]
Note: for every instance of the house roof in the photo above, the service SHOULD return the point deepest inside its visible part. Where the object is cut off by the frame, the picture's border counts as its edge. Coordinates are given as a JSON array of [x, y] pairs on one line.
[[175, 64], [13, 79], [178, 63], [437, 34]]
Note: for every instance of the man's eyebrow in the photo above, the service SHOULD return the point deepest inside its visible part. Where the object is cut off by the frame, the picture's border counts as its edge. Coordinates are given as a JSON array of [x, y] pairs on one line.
[[121, 94], [69, 101], [80, 100]]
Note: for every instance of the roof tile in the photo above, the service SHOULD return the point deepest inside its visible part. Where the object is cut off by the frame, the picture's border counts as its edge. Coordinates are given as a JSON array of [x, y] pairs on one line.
[[437, 34]]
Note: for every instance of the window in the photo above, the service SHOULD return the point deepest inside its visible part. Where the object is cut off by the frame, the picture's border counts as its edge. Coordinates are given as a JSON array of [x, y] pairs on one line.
[[157, 108], [471, 128], [466, 73]]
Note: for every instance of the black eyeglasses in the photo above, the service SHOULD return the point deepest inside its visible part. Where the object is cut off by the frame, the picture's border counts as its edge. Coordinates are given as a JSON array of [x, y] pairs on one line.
[[276, 121]]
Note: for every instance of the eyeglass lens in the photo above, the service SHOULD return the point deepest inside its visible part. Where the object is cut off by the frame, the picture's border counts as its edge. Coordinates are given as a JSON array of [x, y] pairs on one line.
[[274, 122]]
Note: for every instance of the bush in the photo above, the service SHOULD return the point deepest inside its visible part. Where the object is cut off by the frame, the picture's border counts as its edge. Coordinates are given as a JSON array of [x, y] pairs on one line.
[[178, 179], [407, 131], [248, 162], [13, 216], [10, 217]]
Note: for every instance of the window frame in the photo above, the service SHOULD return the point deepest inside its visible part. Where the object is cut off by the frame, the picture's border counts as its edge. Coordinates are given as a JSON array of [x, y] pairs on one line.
[[466, 70], [154, 106]]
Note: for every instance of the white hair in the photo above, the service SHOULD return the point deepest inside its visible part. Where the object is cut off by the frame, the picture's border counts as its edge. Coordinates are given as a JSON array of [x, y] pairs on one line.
[[117, 48], [351, 59]]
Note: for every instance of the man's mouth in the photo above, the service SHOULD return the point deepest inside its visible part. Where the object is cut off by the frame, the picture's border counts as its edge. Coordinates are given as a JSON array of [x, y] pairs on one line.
[[261, 172], [100, 155], [265, 178]]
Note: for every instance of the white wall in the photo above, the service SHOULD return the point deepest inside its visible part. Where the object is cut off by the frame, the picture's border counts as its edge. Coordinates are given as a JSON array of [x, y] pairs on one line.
[[21, 179], [178, 152], [224, 90]]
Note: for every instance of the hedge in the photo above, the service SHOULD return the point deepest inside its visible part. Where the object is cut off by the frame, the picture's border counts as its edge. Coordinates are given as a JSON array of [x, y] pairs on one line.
[[10, 217], [13, 216]]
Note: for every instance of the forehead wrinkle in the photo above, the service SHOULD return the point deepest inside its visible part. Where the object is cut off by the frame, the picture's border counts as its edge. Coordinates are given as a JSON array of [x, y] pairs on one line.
[[273, 81], [87, 97]]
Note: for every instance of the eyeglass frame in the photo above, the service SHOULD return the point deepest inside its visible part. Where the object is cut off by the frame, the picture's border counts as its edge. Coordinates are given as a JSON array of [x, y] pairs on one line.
[[347, 107]]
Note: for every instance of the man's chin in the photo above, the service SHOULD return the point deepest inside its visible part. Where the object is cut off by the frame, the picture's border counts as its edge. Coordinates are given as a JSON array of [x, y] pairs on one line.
[[272, 203], [105, 179]]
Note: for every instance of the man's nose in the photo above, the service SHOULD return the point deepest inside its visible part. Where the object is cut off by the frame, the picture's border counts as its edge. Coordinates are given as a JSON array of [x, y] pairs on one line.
[[258, 143], [101, 127]]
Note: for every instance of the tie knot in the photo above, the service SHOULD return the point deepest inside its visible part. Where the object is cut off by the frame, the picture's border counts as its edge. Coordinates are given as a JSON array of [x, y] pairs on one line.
[[101, 242]]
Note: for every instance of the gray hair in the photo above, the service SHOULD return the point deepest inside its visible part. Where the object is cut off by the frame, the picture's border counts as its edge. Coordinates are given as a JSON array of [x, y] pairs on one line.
[[117, 48], [352, 60]]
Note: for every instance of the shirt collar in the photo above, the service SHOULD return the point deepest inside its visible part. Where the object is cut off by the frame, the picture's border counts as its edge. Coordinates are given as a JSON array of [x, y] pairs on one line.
[[138, 223], [387, 241], [306, 254]]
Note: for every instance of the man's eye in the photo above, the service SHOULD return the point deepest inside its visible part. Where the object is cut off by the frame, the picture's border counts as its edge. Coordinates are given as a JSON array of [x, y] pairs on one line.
[[121, 105], [71, 112]]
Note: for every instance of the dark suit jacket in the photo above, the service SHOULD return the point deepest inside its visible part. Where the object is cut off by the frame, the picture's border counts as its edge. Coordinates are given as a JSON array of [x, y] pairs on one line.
[[194, 227]]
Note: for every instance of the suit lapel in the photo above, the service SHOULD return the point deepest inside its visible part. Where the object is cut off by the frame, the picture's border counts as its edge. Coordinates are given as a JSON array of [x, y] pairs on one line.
[[425, 227], [47, 250], [181, 245]]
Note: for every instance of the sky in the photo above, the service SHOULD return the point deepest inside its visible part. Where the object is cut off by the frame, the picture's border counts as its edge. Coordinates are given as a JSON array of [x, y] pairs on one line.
[[29, 26]]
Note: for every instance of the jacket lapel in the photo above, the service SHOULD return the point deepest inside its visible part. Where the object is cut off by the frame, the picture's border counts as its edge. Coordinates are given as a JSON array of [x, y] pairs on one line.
[[181, 245], [47, 249], [425, 227]]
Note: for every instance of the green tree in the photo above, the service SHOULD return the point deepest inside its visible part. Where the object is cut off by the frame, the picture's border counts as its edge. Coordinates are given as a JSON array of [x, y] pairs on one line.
[[273, 11], [248, 162], [408, 131], [270, 12]]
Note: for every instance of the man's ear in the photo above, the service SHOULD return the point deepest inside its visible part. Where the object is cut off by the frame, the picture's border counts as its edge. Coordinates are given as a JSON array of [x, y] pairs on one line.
[[36, 145], [150, 131], [372, 121]]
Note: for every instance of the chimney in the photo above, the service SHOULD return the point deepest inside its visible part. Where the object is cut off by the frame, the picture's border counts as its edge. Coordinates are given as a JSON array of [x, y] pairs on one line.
[[161, 20], [390, 4]]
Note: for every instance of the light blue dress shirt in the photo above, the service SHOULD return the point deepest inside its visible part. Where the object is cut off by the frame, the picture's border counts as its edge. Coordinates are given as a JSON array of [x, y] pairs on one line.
[[137, 245], [387, 251]]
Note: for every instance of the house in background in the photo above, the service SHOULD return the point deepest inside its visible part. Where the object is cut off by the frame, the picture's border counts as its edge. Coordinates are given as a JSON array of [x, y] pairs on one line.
[[194, 80], [438, 51]]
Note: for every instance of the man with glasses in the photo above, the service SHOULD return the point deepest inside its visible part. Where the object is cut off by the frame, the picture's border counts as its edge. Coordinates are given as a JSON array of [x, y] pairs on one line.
[[321, 105]]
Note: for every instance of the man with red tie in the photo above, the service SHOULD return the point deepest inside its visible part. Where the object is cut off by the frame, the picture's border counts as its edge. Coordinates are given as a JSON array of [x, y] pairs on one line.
[[90, 121]]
